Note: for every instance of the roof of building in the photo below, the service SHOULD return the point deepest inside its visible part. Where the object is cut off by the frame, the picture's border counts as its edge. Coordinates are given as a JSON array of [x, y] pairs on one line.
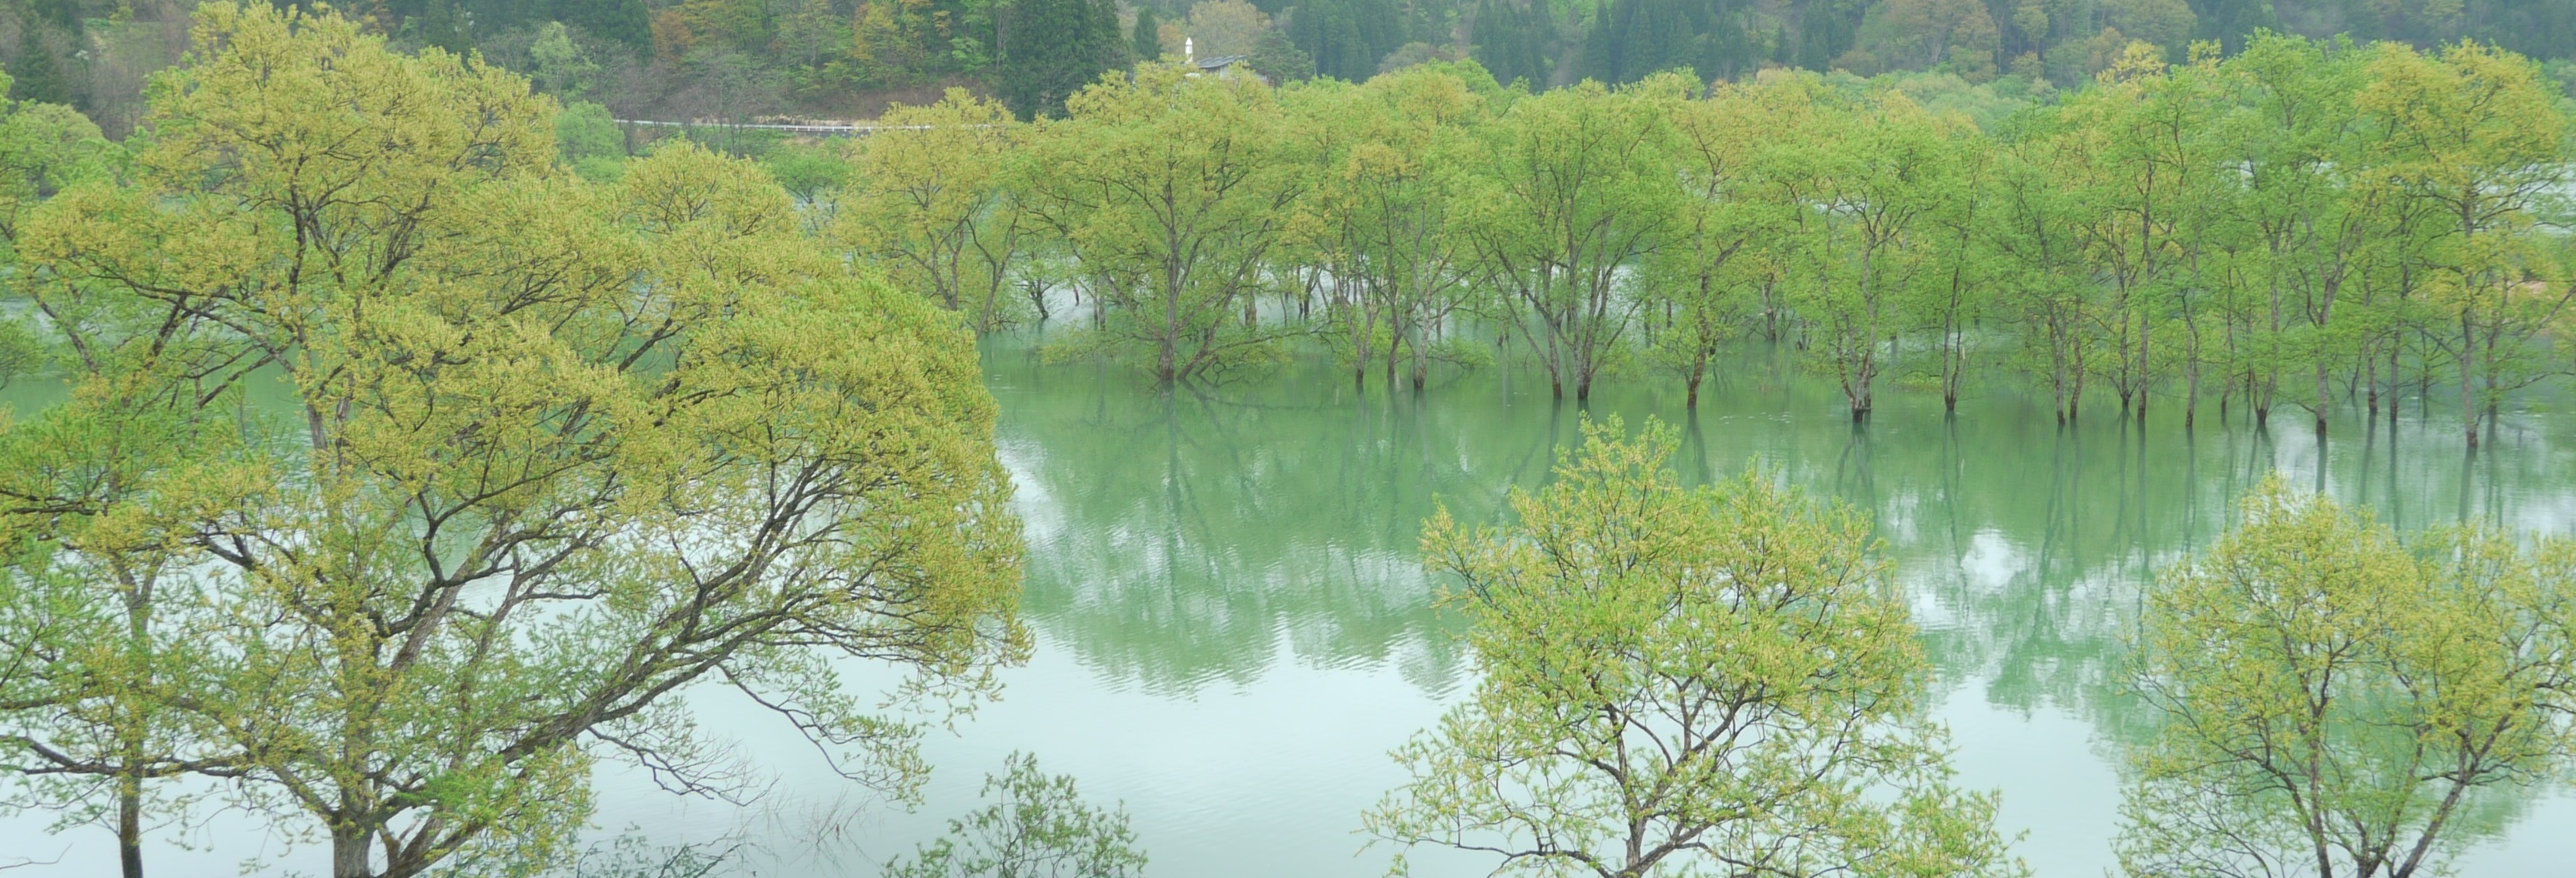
[[1220, 61]]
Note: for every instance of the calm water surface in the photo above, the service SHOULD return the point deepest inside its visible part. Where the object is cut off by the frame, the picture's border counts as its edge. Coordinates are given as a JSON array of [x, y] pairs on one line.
[[1233, 630]]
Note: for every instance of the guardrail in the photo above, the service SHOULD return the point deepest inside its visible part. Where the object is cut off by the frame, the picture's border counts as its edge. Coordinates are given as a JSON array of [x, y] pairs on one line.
[[853, 129]]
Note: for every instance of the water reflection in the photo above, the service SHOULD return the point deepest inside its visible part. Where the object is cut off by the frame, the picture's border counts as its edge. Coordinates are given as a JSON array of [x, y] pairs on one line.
[[1233, 629], [1192, 538], [1174, 532]]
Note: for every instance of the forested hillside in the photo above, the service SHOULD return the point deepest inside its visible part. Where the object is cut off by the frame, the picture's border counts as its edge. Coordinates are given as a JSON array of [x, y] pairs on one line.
[[738, 59]]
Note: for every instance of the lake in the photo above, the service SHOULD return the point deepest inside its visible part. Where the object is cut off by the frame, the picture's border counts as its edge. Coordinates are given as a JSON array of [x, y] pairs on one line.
[[1232, 627]]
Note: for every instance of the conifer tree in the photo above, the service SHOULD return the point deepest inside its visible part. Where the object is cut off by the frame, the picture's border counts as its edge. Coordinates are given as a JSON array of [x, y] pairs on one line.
[[1148, 35], [1052, 48]]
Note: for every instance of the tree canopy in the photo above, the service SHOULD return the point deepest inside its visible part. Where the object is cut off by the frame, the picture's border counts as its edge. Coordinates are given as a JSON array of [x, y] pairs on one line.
[[1677, 681], [438, 471]]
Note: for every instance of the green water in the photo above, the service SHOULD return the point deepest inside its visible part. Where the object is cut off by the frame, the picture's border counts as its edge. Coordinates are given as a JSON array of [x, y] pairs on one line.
[[1211, 560], [1232, 629]]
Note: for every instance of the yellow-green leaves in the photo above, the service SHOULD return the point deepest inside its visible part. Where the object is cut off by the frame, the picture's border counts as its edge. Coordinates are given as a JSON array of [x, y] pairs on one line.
[[1374, 232], [931, 201], [559, 449], [1170, 190], [2476, 137], [2337, 701], [1683, 681], [1573, 186]]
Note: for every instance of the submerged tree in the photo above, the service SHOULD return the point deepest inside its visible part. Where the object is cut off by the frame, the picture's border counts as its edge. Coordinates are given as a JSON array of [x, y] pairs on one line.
[[1037, 826], [1171, 190], [932, 202], [2338, 702], [1683, 681], [1378, 217], [2477, 138], [1875, 172], [1718, 267], [1572, 187]]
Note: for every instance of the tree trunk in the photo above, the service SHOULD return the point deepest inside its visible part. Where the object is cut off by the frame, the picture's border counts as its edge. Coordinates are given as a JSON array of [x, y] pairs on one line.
[[2325, 397], [349, 853], [129, 819], [2468, 378], [1699, 367]]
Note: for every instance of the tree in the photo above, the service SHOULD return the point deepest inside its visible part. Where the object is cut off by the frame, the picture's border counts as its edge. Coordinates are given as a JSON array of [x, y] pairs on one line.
[[1874, 172], [1628, 40], [1380, 210], [562, 68], [1038, 826], [933, 203], [1277, 57], [1513, 40], [1952, 294], [2476, 137], [2048, 288], [1347, 38], [1170, 191], [2314, 217], [80, 642], [1052, 48], [1226, 27], [1147, 37], [2143, 175], [588, 142], [1682, 681], [1721, 243], [1923, 34], [1573, 187], [556, 451], [36, 74], [2164, 24], [2334, 700], [626, 21]]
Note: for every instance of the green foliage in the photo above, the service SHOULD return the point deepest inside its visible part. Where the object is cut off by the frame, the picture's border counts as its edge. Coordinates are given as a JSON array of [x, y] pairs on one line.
[[1170, 190], [1627, 40], [1573, 186], [2172, 232], [1038, 826], [588, 141], [1954, 36], [412, 598], [1513, 40], [1987, 103], [1675, 681], [1716, 272], [1063, 45], [1877, 171], [563, 69], [625, 21], [36, 74], [1147, 36], [2336, 700], [934, 201], [22, 351], [807, 171], [1378, 225], [1274, 55]]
